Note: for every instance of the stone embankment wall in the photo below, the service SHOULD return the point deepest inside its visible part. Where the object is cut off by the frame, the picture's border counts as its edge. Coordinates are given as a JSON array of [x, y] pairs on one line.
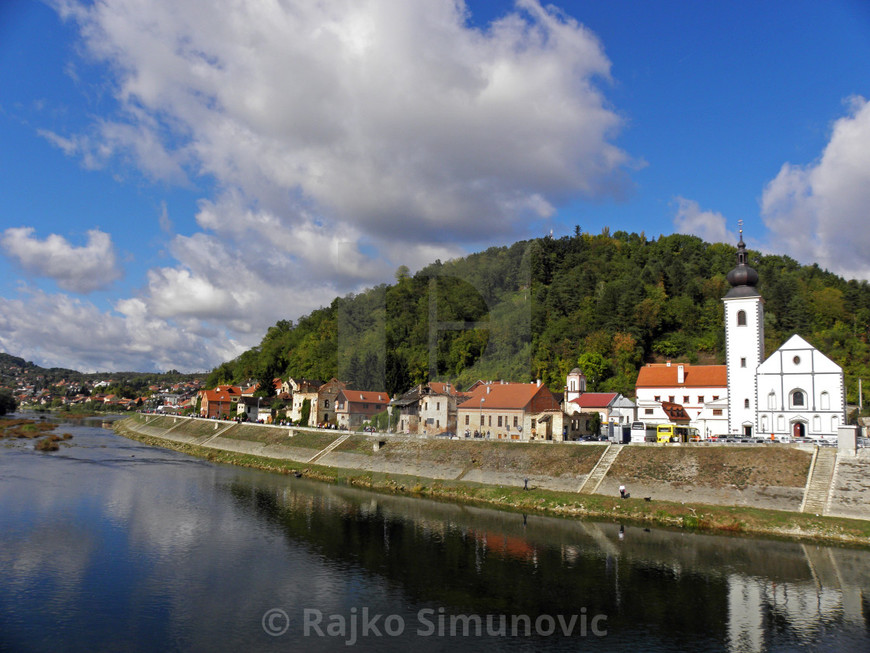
[[774, 476]]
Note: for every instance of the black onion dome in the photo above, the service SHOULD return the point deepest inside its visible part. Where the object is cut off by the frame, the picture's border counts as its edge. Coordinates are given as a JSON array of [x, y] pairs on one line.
[[742, 278]]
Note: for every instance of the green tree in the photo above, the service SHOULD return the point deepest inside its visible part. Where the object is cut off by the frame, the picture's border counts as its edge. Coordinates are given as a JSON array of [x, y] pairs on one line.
[[7, 402]]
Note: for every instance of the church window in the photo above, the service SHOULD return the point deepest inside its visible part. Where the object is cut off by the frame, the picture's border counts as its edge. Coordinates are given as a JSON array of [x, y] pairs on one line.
[[796, 360], [825, 401], [780, 423], [764, 423], [741, 318], [742, 362], [771, 400], [746, 403], [326, 403], [817, 423], [835, 423], [797, 399]]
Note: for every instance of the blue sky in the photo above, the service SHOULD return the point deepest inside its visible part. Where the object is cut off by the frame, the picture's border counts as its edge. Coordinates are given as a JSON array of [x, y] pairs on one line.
[[173, 181]]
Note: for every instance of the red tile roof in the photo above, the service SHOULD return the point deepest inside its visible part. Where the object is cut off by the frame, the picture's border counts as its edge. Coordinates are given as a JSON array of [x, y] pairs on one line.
[[594, 399], [659, 375], [675, 412], [516, 396]]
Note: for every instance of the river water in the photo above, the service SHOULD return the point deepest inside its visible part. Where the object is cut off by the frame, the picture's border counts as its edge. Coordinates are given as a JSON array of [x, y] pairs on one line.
[[109, 545]]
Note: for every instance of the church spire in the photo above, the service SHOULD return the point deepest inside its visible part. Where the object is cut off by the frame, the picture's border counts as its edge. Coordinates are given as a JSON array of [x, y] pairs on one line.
[[742, 278]]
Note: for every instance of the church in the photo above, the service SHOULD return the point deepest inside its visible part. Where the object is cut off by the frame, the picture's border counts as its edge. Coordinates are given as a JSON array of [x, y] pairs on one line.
[[796, 392]]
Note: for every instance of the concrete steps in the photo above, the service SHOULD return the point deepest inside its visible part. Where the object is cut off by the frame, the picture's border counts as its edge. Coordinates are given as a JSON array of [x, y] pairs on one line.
[[332, 445], [600, 470], [819, 485]]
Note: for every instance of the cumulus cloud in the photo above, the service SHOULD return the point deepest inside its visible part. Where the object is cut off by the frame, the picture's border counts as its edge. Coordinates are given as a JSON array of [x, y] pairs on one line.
[[343, 138], [76, 269], [707, 225], [818, 212], [395, 117], [61, 331]]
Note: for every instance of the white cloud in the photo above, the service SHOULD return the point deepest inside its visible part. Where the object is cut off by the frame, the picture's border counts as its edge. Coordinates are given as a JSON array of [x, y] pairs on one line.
[[710, 226], [395, 117], [57, 330], [818, 212], [76, 269], [343, 138]]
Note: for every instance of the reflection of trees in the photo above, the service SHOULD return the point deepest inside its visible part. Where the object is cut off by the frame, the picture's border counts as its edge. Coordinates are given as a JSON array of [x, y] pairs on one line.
[[674, 586], [485, 562]]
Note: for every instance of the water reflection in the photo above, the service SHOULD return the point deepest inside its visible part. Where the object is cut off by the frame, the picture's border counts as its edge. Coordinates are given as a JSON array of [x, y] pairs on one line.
[[111, 544]]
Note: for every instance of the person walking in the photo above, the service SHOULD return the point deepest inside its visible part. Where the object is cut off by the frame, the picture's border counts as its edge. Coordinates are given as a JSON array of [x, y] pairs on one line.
[[621, 491]]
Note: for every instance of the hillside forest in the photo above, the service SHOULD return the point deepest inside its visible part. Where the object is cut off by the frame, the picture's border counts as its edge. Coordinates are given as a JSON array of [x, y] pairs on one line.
[[538, 308]]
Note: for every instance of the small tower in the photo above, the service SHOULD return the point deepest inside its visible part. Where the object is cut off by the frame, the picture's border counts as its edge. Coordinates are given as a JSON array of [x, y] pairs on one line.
[[575, 384], [744, 343]]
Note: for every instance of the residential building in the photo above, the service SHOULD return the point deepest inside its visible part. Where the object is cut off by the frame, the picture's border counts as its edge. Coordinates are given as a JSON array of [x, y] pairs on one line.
[[427, 408], [354, 407], [514, 411]]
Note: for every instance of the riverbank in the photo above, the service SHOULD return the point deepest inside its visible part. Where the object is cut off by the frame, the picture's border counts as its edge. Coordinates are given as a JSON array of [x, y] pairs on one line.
[[470, 472]]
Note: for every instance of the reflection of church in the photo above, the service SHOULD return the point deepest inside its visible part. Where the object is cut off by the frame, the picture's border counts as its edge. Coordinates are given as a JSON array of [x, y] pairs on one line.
[[795, 392]]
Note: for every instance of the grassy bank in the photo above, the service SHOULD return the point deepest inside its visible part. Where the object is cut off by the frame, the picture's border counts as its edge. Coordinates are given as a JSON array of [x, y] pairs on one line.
[[700, 517]]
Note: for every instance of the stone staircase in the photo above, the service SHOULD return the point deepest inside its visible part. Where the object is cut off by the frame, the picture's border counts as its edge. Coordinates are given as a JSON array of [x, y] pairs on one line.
[[600, 470], [819, 486], [332, 445]]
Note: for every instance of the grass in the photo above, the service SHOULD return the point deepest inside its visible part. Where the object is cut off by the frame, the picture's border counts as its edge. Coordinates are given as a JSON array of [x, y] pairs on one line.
[[693, 517]]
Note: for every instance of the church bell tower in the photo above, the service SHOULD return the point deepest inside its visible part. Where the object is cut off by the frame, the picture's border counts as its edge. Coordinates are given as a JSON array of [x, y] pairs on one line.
[[744, 343]]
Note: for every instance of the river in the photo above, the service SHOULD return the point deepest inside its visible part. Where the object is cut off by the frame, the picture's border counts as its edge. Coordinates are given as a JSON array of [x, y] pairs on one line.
[[108, 544]]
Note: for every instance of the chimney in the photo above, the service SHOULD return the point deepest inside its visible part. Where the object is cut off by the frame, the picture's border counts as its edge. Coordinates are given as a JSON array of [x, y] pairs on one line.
[[488, 389], [681, 374], [539, 383], [669, 363]]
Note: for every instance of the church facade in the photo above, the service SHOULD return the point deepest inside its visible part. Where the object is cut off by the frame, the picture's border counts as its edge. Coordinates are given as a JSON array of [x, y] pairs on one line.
[[796, 392]]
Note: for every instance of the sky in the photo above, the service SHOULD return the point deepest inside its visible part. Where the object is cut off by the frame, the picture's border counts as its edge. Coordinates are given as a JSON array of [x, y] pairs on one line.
[[176, 175]]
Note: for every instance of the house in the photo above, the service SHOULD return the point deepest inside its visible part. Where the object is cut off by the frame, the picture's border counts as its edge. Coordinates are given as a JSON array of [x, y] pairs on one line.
[[353, 407], [304, 390], [427, 408], [611, 407], [220, 402], [324, 408], [255, 409], [514, 411], [691, 386]]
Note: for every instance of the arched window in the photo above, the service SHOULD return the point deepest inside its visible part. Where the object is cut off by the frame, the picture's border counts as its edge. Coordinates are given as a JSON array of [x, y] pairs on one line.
[[741, 318], [835, 423], [746, 403], [771, 401], [825, 401], [798, 399], [764, 424], [326, 403], [817, 423]]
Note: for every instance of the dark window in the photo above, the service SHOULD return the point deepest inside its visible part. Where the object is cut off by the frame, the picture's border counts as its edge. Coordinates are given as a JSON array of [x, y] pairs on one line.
[[741, 318], [746, 403], [797, 399]]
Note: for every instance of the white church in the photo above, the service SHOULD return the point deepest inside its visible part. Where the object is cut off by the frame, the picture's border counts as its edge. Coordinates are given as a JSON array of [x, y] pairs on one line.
[[796, 392]]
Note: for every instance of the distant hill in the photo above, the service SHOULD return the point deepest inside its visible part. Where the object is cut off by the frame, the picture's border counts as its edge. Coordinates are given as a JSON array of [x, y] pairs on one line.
[[15, 371], [538, 308]]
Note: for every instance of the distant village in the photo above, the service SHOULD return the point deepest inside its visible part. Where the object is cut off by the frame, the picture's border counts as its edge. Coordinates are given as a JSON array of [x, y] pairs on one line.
[[794, 394], [797, 393]]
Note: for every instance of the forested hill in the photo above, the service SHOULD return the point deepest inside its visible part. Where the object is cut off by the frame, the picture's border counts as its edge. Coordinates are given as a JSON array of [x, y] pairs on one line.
[[536, 309]]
